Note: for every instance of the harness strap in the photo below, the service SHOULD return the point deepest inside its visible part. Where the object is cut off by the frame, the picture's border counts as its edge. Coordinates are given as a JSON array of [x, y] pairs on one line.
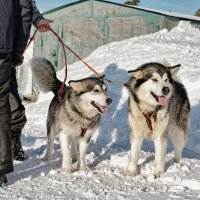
[[149, 116], [60, 98], [83, 132], [148, 120]]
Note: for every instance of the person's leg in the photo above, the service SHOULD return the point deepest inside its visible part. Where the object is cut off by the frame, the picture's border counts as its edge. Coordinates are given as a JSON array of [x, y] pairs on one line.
[[18, 118], [6, 164]]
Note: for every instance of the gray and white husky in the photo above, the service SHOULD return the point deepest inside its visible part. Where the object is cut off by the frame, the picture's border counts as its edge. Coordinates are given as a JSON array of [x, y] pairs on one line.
[[157, 105], [77, 117]]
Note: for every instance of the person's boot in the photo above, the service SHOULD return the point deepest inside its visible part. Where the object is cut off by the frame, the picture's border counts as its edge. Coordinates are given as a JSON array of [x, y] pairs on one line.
[[3, 179], [17, 151]]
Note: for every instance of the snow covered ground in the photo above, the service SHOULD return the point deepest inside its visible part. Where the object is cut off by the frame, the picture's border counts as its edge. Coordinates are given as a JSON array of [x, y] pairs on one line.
[[108, 152]]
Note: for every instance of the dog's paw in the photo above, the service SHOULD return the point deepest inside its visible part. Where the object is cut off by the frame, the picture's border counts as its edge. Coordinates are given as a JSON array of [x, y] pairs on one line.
[[129, 173], [177, 159], [47, 158], [67, 170], [84, 168], [158, 174], [159, 169]]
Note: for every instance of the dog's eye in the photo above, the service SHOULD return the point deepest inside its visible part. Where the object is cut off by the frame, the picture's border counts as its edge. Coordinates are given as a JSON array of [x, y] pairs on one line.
[[154, 80], [166, 80], [96, 90]]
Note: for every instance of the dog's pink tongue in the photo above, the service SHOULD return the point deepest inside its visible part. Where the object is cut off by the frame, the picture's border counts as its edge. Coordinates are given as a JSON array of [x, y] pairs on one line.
[[162, 101], [104, 109]]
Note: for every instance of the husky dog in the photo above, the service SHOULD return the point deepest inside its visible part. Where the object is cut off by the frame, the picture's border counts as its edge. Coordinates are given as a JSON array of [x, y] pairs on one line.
[[77, 117], [157, 105]]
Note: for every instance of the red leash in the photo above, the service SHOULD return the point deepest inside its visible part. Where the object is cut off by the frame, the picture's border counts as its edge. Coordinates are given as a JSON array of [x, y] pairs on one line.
[[86, 64], [65, 55], [31, 38], [63, 87]]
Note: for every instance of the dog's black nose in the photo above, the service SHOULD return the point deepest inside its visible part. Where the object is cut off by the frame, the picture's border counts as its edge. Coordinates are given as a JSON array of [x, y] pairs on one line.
[[165, 90], [108, 101]]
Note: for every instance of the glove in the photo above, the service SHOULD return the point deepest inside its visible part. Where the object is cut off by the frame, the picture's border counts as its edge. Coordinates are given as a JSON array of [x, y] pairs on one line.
[[17, 59]]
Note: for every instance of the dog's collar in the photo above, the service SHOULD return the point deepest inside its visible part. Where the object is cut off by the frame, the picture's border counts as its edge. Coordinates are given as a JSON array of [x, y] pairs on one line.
[[149, 116]]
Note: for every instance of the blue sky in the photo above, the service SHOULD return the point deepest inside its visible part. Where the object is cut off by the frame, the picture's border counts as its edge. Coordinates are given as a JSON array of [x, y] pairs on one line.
[[178, 6]]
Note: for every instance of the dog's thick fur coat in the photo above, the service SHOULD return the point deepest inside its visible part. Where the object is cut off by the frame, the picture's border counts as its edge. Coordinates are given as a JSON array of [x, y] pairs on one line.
[[157, 105], [77, 117]]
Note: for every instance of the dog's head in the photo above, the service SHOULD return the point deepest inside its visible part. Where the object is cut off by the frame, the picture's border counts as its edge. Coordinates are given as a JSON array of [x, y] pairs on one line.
[[91, 94], [152, 83]]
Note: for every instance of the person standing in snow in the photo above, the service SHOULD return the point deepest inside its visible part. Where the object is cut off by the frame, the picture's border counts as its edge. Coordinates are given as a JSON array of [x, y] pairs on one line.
[[15, 24], [18, 118], [16, 17]]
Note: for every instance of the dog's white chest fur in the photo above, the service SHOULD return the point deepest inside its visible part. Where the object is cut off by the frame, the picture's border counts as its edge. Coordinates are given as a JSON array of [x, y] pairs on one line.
[[71, 131], [139, 124]]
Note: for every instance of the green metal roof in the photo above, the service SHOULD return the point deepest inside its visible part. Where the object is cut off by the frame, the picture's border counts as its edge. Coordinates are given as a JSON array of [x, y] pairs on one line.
[[183, 17]]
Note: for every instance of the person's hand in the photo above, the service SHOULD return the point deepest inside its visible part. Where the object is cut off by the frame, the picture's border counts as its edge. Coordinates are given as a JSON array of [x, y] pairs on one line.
[[44, 25]]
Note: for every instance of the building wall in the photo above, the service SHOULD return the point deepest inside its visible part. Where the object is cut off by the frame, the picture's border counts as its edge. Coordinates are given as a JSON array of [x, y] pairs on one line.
[[88, 25]]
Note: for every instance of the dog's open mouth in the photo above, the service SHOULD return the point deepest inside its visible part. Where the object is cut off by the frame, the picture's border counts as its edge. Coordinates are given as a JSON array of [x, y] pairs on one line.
[[160, 99], [101, 109]]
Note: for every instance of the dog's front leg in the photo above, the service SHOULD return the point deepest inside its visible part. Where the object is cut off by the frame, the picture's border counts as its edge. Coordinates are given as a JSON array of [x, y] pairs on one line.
[[83, 144], [66, 153], [136, 143], [160, 152], [74, 151]]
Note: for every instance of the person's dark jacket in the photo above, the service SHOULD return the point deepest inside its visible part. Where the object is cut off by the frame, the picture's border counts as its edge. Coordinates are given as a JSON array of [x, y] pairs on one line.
[[37, 16], [15, 24]]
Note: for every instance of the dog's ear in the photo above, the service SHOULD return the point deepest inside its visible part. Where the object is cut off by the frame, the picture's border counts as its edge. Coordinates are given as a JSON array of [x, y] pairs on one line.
[[76, 85], [174, 70], [138, 74]]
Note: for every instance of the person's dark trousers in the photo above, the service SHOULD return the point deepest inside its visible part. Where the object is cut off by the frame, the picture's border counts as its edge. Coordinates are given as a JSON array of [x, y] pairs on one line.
[[18, 118], [6, 163]]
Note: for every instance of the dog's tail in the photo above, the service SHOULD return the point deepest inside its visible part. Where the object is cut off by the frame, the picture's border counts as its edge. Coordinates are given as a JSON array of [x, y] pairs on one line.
[[44, 75]]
